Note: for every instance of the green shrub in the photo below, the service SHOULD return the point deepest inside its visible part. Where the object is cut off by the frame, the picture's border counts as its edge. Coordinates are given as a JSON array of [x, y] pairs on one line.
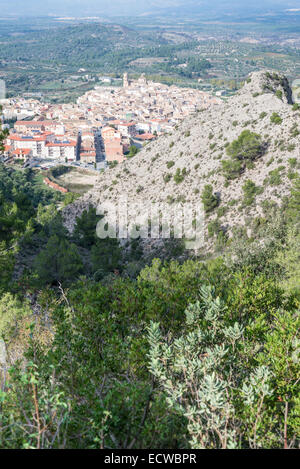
[[231, 169], [209, 199], [180, 175], [274, 177], [292, 175], [167, 177], [58, 262], [291, 147], [294, 202], [213, 228], [222, 211], [133, 150], [248, 146], [294, 131], [293, 162], [250, 191], [275, 118]]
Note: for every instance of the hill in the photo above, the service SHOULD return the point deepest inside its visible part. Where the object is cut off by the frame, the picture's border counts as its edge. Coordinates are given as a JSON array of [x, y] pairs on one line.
[[100, 348], [92, 7], [201, 152]]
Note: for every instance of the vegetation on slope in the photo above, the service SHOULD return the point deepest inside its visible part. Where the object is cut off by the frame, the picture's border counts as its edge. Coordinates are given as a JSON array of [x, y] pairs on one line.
[[107, 349]]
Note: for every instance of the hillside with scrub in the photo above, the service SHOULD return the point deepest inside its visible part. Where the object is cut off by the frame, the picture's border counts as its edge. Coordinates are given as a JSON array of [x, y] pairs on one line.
[[244, 154], [106, 345]]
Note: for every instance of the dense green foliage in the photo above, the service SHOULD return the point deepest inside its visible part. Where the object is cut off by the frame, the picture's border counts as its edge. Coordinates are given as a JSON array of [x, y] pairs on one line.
[[93, 382], [59, 261], [102, 348]]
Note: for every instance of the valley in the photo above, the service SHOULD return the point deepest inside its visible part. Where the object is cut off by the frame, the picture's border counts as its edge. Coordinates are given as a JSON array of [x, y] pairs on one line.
[[186, 54]]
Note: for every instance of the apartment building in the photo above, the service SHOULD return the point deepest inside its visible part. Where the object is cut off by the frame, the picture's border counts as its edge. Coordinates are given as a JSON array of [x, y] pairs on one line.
[[61, 150], [109, 132], [88, 156], [114, 150], [127, 129], [43, 146], [35, 143], [26, 127]]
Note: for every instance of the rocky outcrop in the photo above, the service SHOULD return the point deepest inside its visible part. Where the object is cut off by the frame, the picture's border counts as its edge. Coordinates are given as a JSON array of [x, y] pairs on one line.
[[268, 82]]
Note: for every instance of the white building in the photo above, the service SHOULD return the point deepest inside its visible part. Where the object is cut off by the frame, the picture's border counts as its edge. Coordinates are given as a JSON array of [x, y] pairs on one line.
[[61, 150], [44, 146]]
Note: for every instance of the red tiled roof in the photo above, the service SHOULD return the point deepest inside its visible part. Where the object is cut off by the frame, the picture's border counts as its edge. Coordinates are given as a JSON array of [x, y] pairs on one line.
[[127, 124], [21, 151], [115, 122], [38, 123], [61, 144], [88, 153], [17, 138], [108, 129], [145, 137]]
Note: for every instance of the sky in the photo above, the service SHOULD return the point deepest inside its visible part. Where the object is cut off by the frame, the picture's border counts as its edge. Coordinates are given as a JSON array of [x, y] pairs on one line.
[[137, 7]]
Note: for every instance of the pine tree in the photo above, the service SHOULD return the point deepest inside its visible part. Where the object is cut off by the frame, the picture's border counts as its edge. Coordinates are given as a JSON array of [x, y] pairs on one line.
[[85, 229], [209, 199], [58, 262], [294, 202]]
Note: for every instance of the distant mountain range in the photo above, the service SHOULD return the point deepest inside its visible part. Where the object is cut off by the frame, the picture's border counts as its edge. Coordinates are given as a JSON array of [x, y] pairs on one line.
[[142, 7]]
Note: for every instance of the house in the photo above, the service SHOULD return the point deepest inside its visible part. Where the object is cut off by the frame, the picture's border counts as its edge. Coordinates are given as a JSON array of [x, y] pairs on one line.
[[42, 126], [114, 150], [155, 125], [127, 129], [7, 150], [143, 126], [28, 126], [88, 139], [88, 156], [145, 137], [22, 154], [87, 150], [108, 132]]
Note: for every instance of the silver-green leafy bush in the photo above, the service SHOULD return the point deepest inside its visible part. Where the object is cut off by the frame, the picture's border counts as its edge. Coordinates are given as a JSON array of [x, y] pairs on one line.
[[204, 378]]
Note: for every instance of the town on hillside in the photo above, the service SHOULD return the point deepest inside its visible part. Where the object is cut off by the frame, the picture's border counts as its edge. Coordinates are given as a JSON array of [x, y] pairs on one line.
[[102, 128]]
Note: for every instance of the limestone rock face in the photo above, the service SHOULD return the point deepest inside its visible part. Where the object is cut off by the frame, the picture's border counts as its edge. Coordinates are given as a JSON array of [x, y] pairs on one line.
[[268, 82], [198, 147]]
